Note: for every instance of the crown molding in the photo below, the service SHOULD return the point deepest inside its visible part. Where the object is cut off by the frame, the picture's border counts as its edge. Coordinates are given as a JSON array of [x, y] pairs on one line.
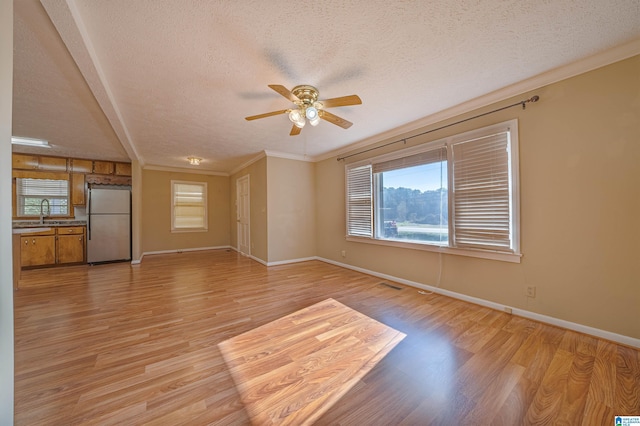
[[555, 75], [288, 156], [259, 156], [183, 170]]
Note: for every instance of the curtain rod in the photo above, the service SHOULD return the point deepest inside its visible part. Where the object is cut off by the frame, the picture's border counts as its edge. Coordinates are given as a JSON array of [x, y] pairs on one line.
[[534, 98]]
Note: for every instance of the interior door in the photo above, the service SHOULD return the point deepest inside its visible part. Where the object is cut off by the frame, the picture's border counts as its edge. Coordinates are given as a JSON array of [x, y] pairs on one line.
[[242, 217]]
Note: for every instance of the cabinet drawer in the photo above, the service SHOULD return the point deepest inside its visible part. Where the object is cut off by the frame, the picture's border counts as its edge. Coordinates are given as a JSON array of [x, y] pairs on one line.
[[70, 230], [51, 231]]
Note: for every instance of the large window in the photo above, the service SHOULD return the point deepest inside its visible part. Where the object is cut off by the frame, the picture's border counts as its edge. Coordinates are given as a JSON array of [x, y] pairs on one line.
[[188, 206], [42, 197], [458, 194]]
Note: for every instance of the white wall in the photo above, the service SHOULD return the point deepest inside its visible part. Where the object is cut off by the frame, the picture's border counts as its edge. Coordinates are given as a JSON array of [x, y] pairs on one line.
[[6, 259], [291, 209], [579, 208]]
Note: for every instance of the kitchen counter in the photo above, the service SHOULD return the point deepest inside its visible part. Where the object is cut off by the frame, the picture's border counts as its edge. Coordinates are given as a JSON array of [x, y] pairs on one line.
[[20, 224], [26, 230]]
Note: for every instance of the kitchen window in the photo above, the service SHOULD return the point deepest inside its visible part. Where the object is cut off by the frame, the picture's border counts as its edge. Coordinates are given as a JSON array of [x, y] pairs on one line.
[[188, 206], [456, 195], [42, 197]]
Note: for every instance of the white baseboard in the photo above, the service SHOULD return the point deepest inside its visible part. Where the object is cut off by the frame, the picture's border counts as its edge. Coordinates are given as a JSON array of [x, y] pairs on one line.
[[257, 259], [149, 253], [250, 256], [279, 262], [286, 262], [603, 334], [283, 262]]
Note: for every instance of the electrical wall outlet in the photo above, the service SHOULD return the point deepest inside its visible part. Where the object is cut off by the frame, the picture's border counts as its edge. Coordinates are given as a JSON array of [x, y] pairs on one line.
[[531, 291], [344, 253]]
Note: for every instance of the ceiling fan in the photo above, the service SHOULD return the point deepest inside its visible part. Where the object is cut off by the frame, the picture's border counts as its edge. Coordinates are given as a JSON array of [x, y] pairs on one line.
[[308, 107]]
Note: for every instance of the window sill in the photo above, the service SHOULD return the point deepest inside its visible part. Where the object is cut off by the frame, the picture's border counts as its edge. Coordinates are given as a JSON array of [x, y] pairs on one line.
[[189, 230], [482, 254]]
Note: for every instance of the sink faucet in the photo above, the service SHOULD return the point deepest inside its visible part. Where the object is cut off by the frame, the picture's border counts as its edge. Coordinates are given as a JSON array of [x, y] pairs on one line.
[[42, 215]]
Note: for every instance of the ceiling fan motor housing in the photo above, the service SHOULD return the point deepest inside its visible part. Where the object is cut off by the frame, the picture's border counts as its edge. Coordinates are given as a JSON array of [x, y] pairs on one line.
[[308, 95], [305, 98]]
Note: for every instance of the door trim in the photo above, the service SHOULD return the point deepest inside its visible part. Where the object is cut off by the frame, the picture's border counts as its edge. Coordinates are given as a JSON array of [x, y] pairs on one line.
[[244, 180]]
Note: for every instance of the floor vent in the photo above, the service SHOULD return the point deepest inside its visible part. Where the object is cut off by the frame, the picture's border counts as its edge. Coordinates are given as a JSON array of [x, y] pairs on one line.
[[391, 286]]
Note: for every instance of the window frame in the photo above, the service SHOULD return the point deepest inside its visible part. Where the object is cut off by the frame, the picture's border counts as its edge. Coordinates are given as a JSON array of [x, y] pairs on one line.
[[514, 194], [20, 196], [204, 187]]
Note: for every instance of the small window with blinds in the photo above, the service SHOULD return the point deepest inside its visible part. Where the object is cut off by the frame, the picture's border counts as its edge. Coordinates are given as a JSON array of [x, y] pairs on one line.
[[458, 193], [359, 198], [188, 206], [42, 197]]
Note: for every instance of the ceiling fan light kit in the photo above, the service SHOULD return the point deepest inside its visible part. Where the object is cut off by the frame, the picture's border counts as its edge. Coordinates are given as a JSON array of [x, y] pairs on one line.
[[312, 115], [297, 118], [308, 107], [194, 161]]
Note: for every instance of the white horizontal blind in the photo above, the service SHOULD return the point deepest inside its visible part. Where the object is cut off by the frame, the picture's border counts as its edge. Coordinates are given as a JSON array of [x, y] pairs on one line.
[[359, 201], [481, 193], [189, 206], [32, 192], [432, 156]]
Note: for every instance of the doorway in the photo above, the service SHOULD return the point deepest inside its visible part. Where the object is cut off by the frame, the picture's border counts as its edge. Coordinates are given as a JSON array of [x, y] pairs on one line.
[[243, 215]]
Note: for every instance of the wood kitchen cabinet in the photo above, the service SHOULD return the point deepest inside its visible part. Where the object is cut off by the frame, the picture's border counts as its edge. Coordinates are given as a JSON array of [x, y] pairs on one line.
[[52, 164], [38, 249], [39, 162], [123, 169], [77, 189], [70, 245], [81, 166], [62, 245], [103, 167], [25, 162]]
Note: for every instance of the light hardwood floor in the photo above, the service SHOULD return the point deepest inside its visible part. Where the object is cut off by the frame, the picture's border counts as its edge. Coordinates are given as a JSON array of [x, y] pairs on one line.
[[115, 344]]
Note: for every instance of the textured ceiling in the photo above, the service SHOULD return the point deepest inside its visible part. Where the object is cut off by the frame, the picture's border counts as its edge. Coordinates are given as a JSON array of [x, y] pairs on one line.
[[162, 80]]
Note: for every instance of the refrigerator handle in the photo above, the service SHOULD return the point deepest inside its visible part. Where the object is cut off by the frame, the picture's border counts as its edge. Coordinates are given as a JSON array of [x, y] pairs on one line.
[[89, 216]]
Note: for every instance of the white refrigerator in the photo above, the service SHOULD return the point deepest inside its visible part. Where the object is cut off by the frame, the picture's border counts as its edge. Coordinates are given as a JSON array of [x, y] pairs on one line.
[[109, 225]]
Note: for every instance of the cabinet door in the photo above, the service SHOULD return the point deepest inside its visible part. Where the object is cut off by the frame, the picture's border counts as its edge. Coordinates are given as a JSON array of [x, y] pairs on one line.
[[81, 166], [25, 161], [70, 248], [54, 164], [77, 189], [38, 250], [123, 169], [103, 167]]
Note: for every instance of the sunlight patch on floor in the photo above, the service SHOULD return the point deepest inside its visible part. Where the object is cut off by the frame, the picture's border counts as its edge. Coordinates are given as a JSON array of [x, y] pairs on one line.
[[291, 370]]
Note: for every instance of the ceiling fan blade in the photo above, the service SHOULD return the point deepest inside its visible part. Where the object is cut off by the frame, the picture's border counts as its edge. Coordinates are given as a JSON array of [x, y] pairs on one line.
[[331, 118], [295, 130], [266, 114], [284, 92], [342, 101]]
